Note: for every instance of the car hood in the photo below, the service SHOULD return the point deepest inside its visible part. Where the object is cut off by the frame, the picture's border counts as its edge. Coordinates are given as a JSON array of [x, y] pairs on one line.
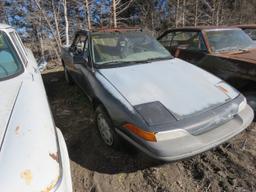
[[246, 56], [182, 88], [29, 158]]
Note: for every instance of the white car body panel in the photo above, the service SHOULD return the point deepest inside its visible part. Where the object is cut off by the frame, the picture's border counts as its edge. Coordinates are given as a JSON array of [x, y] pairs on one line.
[[190, 88], [33, 154], [7, 100]]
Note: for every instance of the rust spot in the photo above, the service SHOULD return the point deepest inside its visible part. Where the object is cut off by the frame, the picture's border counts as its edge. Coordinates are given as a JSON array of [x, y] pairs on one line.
[[17, 130], [26, 175], [51, 185], [223, 89], [54, 156]]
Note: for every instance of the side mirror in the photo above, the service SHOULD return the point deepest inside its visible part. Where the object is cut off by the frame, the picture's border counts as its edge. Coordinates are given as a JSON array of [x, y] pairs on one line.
[[42, 63]]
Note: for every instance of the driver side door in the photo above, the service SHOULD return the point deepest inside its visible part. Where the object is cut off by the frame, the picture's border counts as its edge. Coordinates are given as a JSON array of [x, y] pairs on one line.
[[76, 52]]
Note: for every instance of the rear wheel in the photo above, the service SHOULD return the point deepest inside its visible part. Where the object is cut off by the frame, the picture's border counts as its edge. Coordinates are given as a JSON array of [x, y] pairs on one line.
[[68, 78], [106, 129]]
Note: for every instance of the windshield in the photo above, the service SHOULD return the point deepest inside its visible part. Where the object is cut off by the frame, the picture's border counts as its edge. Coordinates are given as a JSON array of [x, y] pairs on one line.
[[229, 40], [118, 48], [10, 64]]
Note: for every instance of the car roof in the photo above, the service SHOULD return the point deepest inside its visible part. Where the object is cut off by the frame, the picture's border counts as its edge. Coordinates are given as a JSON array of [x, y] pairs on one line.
[[201, 28], [4, 26], [116, 29], [107, 30], [246, 26]]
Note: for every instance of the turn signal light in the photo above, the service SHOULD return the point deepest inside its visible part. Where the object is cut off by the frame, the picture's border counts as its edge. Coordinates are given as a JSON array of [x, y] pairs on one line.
[[148, 136]]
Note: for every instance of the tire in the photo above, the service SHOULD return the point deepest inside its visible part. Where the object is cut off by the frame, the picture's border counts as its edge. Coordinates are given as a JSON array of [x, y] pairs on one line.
[[68, 77], [106, 128], [251, 100]]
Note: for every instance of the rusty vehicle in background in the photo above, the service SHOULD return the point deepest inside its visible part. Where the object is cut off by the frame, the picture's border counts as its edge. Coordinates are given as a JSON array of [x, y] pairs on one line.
[[227, 52], [249, 29]]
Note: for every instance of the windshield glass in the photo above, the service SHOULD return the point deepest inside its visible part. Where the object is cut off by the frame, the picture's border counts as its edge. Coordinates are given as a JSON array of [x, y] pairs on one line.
[[118, 48], [229, 40], [10, 64]]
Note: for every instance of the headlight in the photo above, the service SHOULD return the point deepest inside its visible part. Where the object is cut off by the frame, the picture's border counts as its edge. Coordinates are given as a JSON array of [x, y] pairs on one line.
[[173, 134], [242, 105], [155, 137], [154, 113]]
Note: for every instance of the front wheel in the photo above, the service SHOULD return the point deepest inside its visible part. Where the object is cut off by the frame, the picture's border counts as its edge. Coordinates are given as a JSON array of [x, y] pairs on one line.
[[105, 127]]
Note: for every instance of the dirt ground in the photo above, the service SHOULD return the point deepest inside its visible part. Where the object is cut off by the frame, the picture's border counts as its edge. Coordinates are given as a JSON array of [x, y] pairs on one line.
[[98, 168]]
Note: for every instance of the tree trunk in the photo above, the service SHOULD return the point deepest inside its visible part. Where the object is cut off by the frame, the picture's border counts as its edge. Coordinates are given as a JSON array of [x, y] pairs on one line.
[[66, 22], [196, 13], [177, 13], [88, 13], [114, 13], [56, 23], [183, 13]]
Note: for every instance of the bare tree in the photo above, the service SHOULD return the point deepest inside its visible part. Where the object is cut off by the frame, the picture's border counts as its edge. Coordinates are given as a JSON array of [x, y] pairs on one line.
[[48, 23], [118, 7], [196, 13], [88, 14], [2, 13], [184, 13], [66, 21]]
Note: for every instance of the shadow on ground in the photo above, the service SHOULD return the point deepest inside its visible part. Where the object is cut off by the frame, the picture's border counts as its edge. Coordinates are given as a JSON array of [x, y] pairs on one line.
[[74, 115]]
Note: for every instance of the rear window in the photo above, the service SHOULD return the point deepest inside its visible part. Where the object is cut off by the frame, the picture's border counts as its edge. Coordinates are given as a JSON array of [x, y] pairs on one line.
[[10, 63]]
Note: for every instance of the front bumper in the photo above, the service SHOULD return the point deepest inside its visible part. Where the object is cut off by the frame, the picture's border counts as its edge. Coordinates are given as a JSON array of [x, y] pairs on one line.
[[64, 183], [190, 145]]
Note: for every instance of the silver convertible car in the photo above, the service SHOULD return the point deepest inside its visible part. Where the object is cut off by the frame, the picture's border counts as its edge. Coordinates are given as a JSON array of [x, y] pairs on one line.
[[33, 153], [168, 108]]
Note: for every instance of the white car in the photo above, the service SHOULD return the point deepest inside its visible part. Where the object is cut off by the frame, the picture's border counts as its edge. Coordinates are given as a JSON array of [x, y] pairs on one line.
[[33, 153]]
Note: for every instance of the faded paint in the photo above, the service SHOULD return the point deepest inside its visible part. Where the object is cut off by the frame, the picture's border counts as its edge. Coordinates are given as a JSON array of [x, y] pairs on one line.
[[182, 88], [26, 175], [248, 55]]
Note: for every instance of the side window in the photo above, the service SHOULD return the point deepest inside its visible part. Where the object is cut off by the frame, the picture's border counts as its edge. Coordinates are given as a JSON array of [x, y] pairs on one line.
[[166, 40], [86, 46], [79, 44], [19, 47], [188, 40], [251, 33], [202, 43], [10, 62]]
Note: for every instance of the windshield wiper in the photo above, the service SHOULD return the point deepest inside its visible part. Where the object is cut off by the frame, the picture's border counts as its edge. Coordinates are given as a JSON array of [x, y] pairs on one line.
[[232, 49], [157, 59], [134, 62], [228, 49], [118, 62]]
